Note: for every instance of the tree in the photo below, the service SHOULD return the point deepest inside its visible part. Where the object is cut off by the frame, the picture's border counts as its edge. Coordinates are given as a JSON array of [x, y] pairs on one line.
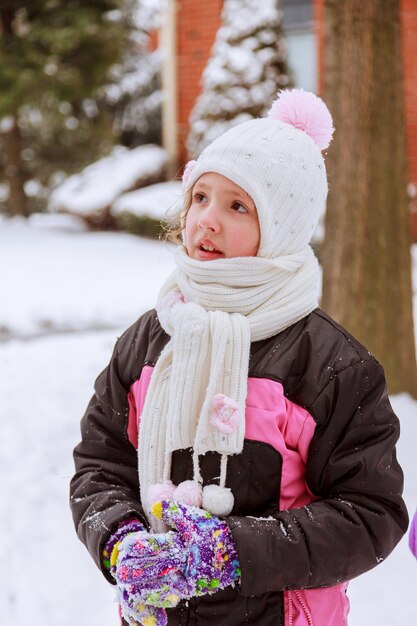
[[135, 95], [246, 69], [366, 254], [54, 54]]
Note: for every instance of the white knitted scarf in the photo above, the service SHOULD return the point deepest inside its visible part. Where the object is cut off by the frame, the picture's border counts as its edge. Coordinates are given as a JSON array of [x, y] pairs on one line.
[[213, 310]]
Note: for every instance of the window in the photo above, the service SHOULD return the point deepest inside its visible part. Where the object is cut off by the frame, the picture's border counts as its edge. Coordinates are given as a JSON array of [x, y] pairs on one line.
[[298, 25]]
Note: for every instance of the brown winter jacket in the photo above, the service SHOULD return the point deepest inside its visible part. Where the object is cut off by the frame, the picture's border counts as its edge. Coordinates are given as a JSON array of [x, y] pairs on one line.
[[332, 488]]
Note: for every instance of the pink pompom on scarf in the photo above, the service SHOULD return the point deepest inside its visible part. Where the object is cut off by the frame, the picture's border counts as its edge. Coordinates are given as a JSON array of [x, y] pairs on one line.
[[189, 492], [161, 491]]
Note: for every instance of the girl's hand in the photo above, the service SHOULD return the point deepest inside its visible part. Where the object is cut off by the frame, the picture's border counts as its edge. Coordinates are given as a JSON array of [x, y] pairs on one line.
[[143, 558], [211, 558], [149, 569], [136, 613], [148, 577], [133, 598]]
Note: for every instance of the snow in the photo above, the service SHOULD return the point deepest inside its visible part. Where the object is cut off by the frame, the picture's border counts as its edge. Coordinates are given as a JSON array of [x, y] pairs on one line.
[[7, 123], [385, 596], [99, 184], [50, 577], [153, 201], [148, 14], [242, 19], [54, 221], [63, 281], [80, 282]]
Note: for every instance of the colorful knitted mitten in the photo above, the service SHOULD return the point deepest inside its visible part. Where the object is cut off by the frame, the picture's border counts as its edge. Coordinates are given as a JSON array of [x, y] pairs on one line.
[[210, 561], [150, 566], [139, 614], [138, 589], [111, 549]]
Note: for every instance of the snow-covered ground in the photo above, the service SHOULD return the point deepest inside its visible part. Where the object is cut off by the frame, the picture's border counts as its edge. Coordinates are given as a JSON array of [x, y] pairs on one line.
[[64, 280], [65, 296]]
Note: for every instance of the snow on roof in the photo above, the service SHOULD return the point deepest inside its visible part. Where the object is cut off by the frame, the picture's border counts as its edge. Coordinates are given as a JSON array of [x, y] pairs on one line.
[[99, 184], [152, 201]]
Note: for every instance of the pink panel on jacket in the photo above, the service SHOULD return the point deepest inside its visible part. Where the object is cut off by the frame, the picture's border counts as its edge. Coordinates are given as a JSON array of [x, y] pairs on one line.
[[136, 400], [272, 418], [317, 607]]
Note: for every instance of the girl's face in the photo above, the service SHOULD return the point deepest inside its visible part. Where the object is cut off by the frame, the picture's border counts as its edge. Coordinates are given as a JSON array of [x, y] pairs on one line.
[[222, 221]]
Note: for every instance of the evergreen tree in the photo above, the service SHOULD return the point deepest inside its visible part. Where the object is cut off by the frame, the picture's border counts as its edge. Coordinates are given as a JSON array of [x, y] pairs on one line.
[[366, 254], [135, 95], [246, 69], [54, 55]]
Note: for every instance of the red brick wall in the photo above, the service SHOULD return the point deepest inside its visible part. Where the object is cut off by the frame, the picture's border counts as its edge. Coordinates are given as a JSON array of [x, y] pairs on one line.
[[409, 35], [318, 13], [197, 25]]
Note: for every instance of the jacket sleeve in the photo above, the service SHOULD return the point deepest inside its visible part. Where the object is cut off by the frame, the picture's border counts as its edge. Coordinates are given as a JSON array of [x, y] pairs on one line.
[[105, 488], [352, 468]]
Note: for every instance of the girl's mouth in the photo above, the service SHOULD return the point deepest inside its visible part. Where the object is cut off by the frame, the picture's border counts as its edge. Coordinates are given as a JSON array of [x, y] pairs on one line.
[[207, 251]]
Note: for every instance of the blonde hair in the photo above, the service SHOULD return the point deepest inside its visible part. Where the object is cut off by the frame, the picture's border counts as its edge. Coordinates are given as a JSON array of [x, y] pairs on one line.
[[174, 223]]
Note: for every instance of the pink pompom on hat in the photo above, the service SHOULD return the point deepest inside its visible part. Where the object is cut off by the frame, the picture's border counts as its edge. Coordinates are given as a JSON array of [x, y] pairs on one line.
[[305, 111], [277, 160]]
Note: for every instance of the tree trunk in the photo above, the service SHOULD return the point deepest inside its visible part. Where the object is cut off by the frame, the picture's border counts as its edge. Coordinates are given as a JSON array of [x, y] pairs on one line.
[[11, 141], [366, 253], [10, 136]]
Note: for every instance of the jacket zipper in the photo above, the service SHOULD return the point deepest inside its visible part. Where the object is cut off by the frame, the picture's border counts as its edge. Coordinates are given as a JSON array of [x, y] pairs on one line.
[[303, 604]]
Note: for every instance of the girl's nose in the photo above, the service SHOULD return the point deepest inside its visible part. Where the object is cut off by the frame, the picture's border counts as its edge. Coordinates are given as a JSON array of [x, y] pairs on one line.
[[209, 219]]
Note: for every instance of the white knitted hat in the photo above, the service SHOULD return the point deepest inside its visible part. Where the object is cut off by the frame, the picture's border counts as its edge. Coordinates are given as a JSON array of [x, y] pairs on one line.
[[277, 160]]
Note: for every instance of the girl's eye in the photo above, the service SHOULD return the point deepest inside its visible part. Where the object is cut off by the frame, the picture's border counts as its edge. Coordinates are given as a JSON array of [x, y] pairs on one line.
[[199, 197], [239, 208]]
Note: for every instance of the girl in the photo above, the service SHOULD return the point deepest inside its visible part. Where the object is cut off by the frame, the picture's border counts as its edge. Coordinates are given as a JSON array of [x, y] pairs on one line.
[[267, 475]]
